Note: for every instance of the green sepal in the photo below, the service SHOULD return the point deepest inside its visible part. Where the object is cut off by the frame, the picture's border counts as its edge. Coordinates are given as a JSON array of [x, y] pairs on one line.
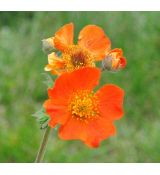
[[42, 118], [49, 81]]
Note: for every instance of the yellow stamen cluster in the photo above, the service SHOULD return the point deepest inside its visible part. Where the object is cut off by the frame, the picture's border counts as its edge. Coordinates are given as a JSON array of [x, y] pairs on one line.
[[83, 105], [76, 57]]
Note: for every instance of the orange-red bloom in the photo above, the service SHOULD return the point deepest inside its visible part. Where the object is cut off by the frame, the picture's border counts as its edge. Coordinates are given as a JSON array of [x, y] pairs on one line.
[[93, 45], [82, 113], [115, 60]]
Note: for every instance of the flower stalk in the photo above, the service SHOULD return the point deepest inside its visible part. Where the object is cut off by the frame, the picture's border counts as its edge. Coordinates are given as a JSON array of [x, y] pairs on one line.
[[43, 145]]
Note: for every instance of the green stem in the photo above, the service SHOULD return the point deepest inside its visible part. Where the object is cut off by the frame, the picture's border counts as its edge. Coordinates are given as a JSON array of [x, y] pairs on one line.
[[43, 145]]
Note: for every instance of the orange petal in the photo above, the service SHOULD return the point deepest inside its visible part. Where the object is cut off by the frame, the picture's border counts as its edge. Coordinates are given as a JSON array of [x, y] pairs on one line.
[[123, 62], [54, 60], [111, 102], [58, 113], [55, 63], [48, 67], [51, 57], [64, 37], [84, 78], [94, 39], [91, 133], [98, 131]]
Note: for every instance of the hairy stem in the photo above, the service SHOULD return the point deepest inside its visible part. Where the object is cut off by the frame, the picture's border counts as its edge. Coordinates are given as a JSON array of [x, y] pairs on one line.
[[43, 145]]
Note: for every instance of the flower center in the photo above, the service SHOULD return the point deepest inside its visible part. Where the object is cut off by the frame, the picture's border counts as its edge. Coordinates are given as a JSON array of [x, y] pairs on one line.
[[83, 105], [76, 57]]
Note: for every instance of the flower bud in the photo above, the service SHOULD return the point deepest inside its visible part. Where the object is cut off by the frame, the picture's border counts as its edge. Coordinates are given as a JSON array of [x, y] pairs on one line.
[[48, 45], [114, 61]]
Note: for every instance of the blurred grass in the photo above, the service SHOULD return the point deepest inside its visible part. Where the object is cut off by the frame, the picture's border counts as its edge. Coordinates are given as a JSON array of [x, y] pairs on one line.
[[22, 90]]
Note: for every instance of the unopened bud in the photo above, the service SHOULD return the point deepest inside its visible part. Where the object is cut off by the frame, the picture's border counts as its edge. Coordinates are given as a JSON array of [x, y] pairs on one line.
[[48, 45], [114, 61]]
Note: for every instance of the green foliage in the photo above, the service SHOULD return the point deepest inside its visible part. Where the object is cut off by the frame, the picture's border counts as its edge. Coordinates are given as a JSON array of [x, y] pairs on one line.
[[22, 91]]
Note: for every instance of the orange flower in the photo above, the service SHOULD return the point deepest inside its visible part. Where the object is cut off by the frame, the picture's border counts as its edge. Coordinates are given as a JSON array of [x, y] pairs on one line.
[[82, 113], [92, 46], [114, 61]]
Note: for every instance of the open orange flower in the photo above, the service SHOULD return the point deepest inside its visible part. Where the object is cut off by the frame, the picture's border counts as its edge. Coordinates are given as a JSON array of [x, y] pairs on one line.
[[114, 60], [92, 46], [82, 113]]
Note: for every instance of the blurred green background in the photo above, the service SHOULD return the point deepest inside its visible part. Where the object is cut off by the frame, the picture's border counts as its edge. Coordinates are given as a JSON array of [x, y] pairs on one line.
[[23, 91]]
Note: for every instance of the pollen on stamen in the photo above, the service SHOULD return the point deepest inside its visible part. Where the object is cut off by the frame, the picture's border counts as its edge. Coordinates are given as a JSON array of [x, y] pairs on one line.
[[83, 105]]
